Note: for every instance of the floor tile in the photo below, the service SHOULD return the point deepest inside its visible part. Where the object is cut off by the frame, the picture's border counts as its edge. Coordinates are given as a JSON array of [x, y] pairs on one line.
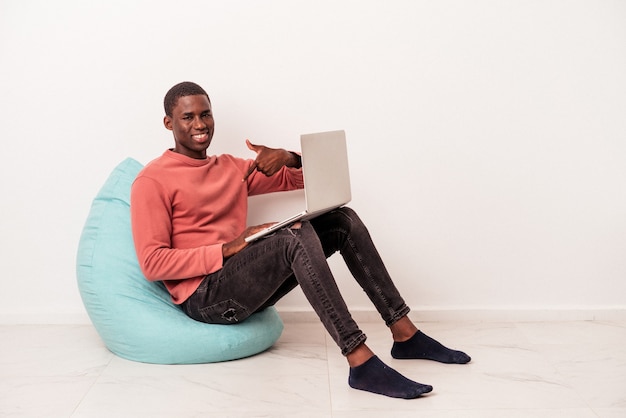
[[181, 394], [571, 369], [51, 350], [610, 412], [48, 396], [575, 332]]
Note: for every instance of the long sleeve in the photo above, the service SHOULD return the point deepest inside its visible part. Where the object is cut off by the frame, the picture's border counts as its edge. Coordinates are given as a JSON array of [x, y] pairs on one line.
[[183, 210], [151, 219]]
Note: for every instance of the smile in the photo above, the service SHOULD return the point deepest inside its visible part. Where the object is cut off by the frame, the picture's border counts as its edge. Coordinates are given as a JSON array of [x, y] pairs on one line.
[[200, 137]]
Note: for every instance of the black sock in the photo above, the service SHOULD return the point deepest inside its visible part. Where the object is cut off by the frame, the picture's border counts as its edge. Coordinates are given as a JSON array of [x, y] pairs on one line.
[[375, 376], [421, 346]]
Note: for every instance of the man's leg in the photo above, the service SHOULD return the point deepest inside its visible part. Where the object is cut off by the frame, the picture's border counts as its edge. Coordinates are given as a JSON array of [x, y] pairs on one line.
[[254, 276], [342, 230], [263, 272]]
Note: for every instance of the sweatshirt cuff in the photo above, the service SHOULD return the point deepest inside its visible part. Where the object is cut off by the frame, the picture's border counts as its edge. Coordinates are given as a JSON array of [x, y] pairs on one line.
[[214, 259]]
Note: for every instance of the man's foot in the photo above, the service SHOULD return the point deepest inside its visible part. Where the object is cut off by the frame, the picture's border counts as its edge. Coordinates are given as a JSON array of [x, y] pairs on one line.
[[376, 377], [421, 346]]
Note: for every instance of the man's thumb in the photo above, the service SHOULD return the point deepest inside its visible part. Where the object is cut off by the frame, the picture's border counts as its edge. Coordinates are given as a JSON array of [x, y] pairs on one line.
[[251, 146]]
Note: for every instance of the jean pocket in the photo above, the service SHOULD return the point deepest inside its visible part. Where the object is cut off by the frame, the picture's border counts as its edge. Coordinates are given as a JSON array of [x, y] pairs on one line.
[[226, 312]]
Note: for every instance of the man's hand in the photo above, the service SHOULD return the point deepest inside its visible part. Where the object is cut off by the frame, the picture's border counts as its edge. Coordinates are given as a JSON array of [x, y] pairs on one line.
[[231, 248], [269, 160]]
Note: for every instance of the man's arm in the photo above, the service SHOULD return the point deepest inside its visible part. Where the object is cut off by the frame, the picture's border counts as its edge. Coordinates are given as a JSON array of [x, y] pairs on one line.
[[152, 230], [229, 249], [269, 160]]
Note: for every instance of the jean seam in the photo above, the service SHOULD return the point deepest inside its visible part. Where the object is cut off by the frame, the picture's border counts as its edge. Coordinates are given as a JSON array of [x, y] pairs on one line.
[[390, 313], [322, 295]]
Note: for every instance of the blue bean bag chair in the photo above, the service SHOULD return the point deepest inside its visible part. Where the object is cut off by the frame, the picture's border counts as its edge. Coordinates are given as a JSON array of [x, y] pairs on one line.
[[136, 318]]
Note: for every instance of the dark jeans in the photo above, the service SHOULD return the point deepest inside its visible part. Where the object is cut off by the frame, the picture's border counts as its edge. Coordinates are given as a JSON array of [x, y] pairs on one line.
[[271, 267]]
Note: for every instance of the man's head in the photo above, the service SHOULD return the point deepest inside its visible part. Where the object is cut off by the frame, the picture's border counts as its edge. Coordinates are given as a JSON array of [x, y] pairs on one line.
[[189, 116], [186, 88]]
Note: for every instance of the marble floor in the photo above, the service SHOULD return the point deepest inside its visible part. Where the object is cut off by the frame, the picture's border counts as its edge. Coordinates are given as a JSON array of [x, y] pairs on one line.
[[531, 369]]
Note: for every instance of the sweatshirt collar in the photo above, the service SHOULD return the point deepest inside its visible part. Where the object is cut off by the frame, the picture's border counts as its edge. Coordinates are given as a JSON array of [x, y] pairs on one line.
[[187, 160]]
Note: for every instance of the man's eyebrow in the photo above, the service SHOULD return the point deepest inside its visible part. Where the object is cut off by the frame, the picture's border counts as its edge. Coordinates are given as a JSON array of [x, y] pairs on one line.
[[192, 113]]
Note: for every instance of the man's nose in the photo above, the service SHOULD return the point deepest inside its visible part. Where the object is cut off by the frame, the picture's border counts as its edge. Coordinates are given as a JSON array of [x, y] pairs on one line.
[[198, 123]]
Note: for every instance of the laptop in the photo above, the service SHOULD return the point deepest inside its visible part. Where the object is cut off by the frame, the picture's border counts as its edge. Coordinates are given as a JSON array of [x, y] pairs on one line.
[[326, 178]]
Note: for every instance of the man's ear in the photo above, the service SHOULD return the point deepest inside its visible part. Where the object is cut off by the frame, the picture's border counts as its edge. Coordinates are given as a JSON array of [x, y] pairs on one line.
[[167, 121]]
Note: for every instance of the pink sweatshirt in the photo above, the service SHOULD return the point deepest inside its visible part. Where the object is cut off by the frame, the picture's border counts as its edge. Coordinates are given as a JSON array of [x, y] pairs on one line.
[[184, 209]]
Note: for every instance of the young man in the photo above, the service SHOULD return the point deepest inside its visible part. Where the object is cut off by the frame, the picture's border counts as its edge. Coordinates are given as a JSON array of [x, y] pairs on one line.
[[189, 212]]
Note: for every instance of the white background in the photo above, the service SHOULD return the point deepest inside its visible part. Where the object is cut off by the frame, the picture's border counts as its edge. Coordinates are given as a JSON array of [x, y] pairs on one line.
[[487, 139]]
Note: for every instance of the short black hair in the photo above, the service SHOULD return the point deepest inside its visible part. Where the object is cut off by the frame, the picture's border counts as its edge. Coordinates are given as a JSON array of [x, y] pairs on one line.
[[186, 88]]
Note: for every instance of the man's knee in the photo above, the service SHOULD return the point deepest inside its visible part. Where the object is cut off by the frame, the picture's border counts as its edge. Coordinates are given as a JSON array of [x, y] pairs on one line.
[[349, 219], [348, 212]]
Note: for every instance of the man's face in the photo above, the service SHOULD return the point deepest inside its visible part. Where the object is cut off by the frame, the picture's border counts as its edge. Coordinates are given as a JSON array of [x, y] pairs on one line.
[[192, 125]]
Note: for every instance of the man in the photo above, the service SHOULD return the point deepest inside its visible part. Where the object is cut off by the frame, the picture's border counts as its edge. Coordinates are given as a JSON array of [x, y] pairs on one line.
[[189, 211]]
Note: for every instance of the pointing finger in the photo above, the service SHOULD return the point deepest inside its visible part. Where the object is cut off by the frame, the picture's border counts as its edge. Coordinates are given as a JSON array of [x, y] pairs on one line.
[[250, 170]]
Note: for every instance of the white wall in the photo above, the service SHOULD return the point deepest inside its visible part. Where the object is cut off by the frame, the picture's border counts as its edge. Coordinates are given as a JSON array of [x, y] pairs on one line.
[[487, 138]]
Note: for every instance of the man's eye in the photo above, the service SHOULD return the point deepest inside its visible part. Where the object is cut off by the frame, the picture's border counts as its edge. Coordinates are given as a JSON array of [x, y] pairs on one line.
[[207, 115]]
